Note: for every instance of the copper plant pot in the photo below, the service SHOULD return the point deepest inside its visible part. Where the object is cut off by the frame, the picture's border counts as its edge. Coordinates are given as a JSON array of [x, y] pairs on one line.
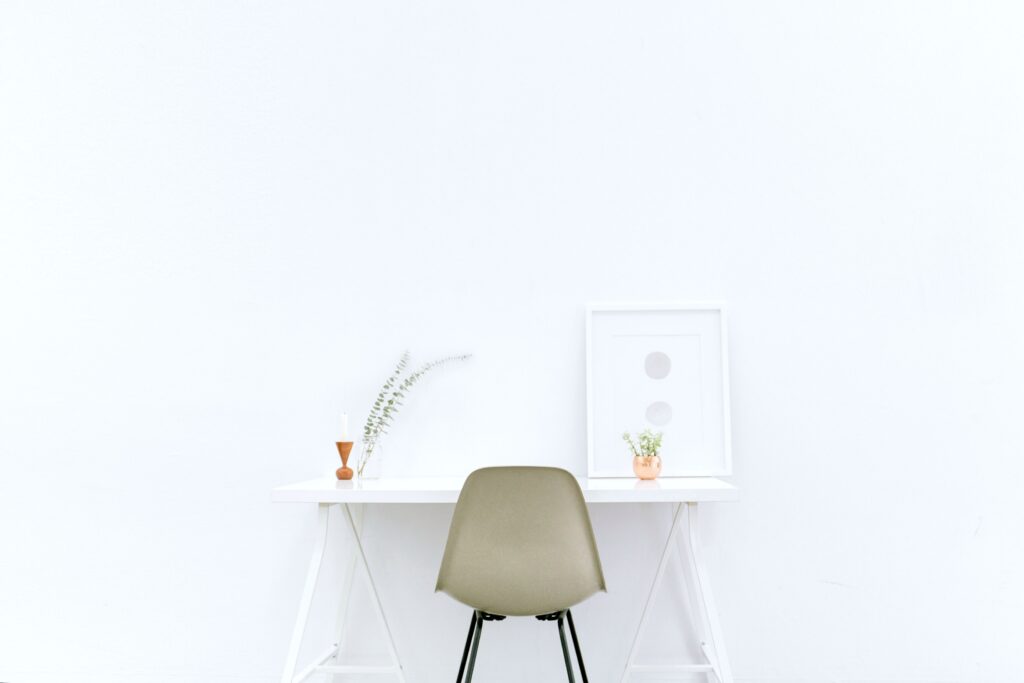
[[344, 450], [647, 466]]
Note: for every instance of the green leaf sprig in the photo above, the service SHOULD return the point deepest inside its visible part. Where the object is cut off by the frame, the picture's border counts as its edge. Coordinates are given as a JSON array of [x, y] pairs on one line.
[[390, 399], [646, 444]]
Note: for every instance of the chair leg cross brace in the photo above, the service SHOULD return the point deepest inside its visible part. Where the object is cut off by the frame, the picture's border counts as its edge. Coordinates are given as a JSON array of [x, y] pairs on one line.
[[712, 646], [359, 558]]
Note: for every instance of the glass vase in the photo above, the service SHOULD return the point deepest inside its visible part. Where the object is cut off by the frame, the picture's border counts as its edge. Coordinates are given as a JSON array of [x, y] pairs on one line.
[[371, 456]]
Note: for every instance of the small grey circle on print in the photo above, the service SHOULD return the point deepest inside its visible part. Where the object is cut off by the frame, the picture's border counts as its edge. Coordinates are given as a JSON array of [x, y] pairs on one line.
[[657, 365], [659, 413]]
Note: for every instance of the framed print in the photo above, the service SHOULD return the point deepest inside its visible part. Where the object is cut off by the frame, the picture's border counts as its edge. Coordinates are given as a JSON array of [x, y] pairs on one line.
[[663, 367]]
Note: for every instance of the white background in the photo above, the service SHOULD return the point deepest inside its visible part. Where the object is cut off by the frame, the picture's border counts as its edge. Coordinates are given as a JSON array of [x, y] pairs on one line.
[[220, 224]]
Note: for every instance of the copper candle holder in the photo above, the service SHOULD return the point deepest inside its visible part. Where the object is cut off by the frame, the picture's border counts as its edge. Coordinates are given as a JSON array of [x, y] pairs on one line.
[[344, 472]]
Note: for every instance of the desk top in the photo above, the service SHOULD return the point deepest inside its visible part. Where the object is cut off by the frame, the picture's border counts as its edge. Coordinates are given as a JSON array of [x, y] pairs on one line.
[[446, 490]]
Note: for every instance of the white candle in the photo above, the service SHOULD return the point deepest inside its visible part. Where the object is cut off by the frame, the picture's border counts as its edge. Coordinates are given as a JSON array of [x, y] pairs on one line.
[[344, 427]]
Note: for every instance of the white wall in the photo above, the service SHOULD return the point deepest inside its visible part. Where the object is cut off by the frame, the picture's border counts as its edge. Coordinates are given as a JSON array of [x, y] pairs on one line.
[[220, 223]]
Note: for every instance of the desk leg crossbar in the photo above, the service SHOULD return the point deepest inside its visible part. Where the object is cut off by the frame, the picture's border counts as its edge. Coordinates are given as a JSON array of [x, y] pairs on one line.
[[702, 600], [319, 664]]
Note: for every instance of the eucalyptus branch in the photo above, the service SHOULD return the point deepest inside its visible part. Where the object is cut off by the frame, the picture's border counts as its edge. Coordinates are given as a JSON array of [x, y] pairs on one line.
[[390, 398], [393, 402], [374, 417]]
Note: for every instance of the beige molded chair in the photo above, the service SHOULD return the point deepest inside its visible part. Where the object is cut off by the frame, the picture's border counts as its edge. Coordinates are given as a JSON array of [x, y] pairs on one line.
[[520, 544]]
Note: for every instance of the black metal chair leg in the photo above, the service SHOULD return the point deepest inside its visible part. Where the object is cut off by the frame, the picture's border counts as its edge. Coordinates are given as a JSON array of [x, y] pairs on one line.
[[576, 645], [465, 650], [476, 644], [565, 648]]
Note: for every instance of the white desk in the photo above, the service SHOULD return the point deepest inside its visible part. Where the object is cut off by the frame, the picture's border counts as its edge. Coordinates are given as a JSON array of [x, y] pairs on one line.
[[683, 494]]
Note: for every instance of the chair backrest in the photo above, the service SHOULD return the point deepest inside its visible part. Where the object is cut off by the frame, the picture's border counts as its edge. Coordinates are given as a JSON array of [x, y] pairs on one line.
[[521, 543]]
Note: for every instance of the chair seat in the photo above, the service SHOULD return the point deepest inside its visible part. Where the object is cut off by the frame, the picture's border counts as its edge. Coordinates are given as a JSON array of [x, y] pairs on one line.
[[517, 598]]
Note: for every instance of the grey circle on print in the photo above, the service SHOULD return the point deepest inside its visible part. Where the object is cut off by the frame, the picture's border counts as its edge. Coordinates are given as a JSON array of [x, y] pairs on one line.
[[657, 365], [659, 413]]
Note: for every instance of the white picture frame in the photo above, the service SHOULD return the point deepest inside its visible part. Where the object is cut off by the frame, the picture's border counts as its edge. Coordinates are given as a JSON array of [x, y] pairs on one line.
[[673, 359]]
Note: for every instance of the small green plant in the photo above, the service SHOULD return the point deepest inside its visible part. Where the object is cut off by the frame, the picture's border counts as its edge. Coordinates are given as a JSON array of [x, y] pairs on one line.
[[646, 443], [382, 414]]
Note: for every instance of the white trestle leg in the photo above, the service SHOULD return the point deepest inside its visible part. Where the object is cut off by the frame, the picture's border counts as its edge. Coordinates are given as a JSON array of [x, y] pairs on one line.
[[705, 599], [700, 598], [307, 595], [361, 559], [348, 578], [319, 666]]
